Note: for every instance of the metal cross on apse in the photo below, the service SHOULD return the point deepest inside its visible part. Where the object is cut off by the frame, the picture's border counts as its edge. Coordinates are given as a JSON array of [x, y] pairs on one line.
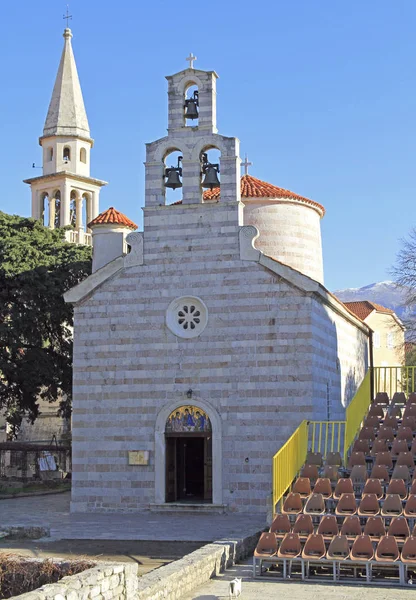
[[191, 59], [246, 164], [67, 16]]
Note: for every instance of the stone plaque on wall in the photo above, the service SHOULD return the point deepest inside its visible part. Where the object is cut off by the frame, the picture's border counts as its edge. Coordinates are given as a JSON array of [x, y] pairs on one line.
[[139, 457]]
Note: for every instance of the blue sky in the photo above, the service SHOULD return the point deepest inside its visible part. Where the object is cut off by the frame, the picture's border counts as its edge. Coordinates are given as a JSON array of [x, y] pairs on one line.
[[320, 93]]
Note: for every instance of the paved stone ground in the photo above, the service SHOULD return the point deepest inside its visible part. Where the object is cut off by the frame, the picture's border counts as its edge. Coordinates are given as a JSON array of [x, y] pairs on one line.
[[53, 511], [217, 589]]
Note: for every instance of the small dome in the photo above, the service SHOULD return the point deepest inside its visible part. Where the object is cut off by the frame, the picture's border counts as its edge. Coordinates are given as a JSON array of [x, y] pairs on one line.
[[111, 216]]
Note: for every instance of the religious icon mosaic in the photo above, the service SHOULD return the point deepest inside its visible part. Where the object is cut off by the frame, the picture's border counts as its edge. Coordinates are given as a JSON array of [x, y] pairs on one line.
[[187, 419]]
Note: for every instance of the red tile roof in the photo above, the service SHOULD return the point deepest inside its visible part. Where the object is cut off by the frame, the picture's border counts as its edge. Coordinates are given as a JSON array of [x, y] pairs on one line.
[[114, 217], [363, 308], [251, 187]]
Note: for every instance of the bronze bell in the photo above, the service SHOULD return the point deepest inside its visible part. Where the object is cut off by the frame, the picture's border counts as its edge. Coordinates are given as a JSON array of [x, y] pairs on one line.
[[173, 180], [191, 104], [211, 177]]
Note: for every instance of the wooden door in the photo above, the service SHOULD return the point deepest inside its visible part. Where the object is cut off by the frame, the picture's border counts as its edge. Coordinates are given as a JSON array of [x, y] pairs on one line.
[[208, 469], [170, 462]]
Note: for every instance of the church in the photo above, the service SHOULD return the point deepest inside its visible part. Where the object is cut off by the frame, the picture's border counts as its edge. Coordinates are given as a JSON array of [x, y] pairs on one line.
[[201, 342]]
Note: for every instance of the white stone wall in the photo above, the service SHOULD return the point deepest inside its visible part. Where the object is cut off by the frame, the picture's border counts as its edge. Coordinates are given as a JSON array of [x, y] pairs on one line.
[[253, 364], [289, 231]]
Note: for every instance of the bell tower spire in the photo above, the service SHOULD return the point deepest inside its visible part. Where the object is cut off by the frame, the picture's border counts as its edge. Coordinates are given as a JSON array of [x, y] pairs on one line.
[[65, 193]]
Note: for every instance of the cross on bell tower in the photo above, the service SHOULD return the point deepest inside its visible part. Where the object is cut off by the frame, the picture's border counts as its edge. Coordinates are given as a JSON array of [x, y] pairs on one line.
[[246, 164], [191, 58]]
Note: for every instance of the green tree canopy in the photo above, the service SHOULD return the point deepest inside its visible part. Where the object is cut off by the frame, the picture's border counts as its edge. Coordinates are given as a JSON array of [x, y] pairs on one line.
[[37, 266]]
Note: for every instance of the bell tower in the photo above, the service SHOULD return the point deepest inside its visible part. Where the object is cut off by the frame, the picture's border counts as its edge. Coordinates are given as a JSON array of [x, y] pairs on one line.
[[65, 193], [192, 132]]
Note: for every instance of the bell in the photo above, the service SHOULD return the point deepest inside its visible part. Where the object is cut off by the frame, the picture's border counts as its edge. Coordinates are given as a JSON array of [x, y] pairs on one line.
[[191, 111], [173, 180], [211, 178]]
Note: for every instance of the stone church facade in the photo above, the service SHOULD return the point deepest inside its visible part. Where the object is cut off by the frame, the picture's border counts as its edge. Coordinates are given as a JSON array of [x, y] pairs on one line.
[[202, 342]]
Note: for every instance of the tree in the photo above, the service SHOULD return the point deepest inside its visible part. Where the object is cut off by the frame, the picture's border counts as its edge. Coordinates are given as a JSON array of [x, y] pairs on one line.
[[37, 266], [404, 273]]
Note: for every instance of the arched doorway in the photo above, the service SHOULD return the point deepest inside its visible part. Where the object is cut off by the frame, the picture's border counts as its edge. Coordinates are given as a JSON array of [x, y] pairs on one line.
[[188, 457]]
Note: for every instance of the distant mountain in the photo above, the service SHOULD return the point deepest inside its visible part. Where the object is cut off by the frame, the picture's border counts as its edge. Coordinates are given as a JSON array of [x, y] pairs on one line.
[[385, 293]]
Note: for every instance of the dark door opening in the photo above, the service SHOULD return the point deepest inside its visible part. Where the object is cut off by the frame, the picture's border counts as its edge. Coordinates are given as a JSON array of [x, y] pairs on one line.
[[189, 468]]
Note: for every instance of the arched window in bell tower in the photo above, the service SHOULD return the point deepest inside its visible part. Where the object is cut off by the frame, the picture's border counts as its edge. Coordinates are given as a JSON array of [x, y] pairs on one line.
[[210, 174], [73, 209], [44, 207], [67, 154], [173, 177], [50, 154], [57, 208], [83, 155], [191, 106]]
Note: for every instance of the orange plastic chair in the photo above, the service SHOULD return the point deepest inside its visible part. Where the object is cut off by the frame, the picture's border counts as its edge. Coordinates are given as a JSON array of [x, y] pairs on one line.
[[361, 446], [358, 474], [384, 458], [385, 433], [314, 458], [290, 546], [409, 422], [303, 526], [314, 548], [302, 486], [315, 505], [339, 548], [373, 486], [328, 527], [376, 410], [293, 504], [372, 421], [406, 458], [397, 486], [399, 398], [382, 398], [409, 411], [310, 471], [374, 527], [396, 411], [392, 506], [387, 550], [368, 506], [391, 421], [351, 527], [266, 546], [401, 472], [405, 433], [346, 505], [356, 458], [379, 445], [412, 398], [412, 491], [399, 528], [323, 486], [280, 526], [409, 551], [333, 459], [367, 433], [410, 507], [344, 486], [380, 472], [362, 549], [413, 448], [330, 472], [399, 446]]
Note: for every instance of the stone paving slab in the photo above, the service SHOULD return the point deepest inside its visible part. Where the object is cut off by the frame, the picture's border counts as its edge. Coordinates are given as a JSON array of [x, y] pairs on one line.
[[217, 589], [53, 511]]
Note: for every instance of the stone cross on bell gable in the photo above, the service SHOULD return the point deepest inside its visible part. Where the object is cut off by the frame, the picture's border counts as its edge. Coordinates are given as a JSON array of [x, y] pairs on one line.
[[246, 164], [191, 58]]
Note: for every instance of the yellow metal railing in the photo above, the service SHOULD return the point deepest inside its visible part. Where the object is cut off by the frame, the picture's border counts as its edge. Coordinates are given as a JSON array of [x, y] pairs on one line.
[[356, 411], [394, 379], [288, 460], [326, 436]]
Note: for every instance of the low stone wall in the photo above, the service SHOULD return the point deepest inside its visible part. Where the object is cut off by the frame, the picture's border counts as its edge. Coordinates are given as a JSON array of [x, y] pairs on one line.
[[104, 582], [182, 576]]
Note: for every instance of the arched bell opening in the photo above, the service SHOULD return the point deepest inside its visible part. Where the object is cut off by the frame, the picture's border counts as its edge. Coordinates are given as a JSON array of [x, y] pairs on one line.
[[191, 106], [210, 159], [44, 208], [172, 177], [86, 211], [55, 208], [73, 209], [188, 440], [66, 154]]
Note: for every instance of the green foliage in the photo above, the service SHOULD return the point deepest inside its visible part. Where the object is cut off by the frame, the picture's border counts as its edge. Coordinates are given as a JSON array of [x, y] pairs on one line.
[[37, 266]]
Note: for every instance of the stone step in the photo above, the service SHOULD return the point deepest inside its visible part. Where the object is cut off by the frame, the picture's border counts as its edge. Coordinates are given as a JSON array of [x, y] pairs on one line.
[[188, 507]]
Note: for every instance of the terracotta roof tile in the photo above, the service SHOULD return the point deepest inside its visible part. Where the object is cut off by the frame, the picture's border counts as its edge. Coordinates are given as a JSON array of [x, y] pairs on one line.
[[112, 216], [251, 187], [363, 308]]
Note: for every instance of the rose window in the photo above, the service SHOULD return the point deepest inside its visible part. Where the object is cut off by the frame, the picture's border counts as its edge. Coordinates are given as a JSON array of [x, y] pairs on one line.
[[187, 317]]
